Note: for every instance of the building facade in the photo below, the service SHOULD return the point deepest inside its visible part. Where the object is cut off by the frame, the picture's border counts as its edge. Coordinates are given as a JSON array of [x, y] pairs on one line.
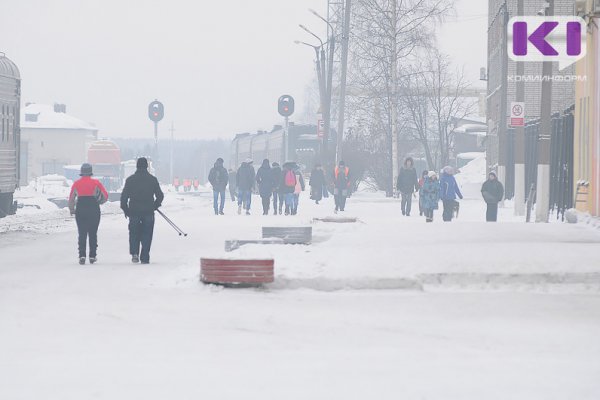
[[51, 139], [587, 115], [502, 79]]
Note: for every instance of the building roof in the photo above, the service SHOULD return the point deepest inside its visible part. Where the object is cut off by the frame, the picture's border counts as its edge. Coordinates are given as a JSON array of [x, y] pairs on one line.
[[8, 68], [47, 118]]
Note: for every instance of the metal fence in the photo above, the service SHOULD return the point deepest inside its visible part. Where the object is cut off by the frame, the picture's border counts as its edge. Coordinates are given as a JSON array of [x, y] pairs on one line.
[[561, 160]]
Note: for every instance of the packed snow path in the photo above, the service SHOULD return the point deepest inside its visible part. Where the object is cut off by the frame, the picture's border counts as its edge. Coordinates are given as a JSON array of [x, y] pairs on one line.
[[116, 330]]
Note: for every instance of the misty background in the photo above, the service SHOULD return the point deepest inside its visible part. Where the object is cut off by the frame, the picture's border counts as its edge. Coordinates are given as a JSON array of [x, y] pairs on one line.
[[218, 67]]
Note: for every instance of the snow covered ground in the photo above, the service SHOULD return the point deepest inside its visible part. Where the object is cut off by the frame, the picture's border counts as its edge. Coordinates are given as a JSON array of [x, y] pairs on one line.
[[387, 308]]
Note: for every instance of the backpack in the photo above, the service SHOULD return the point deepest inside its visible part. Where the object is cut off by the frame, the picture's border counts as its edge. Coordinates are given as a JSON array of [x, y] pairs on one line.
[[290, 178]]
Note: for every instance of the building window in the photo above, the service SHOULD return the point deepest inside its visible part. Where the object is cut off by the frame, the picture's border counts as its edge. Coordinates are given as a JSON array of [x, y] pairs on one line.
[[31, 117]]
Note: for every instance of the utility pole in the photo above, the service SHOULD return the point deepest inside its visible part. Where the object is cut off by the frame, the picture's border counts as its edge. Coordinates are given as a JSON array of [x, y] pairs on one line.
[[542, 203], [520, 136], [344, 69], [327, 110], [171, 155], [502, 128], [394, 97]]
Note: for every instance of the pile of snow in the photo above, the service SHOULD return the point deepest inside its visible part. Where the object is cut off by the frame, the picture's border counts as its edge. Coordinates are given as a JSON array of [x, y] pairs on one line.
[[471, 177]]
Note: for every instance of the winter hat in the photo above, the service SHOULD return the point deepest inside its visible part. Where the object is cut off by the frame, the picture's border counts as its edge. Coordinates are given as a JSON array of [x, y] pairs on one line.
[[220, 161], [142, 163], [86, 170], [431, 174], [448, 170], [493, 173]]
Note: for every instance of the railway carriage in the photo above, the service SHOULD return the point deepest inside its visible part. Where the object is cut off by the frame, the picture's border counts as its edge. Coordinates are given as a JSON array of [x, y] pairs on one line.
[[10, 101], [303, 146]]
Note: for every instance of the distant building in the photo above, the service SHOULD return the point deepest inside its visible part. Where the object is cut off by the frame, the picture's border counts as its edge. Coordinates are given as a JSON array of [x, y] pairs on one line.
[[51, 139]]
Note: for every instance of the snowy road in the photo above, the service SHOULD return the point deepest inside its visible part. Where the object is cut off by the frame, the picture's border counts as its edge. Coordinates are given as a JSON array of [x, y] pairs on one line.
[[122, 331]]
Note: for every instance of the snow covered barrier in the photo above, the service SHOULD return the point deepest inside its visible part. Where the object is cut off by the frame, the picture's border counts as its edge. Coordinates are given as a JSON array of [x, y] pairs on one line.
[[241, 272], [289, 234]]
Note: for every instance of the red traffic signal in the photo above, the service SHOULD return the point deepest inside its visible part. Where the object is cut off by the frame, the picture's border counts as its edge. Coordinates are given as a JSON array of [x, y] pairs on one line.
[[156, 111], [285, 105]]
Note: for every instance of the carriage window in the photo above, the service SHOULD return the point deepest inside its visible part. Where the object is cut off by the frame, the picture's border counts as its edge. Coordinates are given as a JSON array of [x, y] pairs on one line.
[[3, 118]]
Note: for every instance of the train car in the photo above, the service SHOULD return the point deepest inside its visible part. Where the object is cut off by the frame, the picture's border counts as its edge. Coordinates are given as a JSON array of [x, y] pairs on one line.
[[10, 104], [302, 146]]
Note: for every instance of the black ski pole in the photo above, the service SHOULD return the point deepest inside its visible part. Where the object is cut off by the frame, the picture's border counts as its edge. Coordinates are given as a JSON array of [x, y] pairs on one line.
[[177, 229]]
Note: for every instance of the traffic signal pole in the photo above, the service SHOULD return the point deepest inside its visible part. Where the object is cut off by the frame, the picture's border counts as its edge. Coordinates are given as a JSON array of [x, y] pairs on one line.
[[155, 141]]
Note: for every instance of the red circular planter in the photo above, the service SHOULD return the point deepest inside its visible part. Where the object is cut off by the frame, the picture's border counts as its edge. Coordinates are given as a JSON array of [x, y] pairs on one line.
[[236, 272]]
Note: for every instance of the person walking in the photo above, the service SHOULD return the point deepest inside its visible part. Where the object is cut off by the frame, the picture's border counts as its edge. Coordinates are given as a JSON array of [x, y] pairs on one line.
[[288, 186], [492, 191], [218, 178], [299, 188], [430, 195], [407, 183], [140, 197], [448, 192], [264, 179], [277, 194], [232, 185], [245, 183], [84, 202], [422, 179], [176, 184], [187, 184], [317, 183], [341, 185]]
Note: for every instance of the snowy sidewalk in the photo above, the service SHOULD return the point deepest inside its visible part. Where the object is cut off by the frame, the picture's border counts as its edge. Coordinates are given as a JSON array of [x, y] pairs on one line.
[[120, 331]]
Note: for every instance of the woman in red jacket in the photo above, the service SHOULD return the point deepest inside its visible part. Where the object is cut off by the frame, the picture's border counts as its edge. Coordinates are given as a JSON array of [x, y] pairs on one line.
[[84, 201]]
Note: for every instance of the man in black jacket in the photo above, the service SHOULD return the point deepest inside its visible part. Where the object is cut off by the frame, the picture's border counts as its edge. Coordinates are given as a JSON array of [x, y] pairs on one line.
[[140, 197], [493, 192], [218, 178], [407, 184]]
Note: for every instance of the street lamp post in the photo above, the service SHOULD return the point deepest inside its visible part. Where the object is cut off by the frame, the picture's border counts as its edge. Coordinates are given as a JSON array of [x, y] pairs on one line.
[[328, 84]]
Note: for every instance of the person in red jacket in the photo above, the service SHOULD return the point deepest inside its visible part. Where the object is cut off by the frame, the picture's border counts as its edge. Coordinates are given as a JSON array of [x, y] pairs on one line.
[[84, 201]]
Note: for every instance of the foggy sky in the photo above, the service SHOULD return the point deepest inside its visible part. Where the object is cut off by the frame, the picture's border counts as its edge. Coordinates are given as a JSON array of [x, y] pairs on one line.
[[218, 66]]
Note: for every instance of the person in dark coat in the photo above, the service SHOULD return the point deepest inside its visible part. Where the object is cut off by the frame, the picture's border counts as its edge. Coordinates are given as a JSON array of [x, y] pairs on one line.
[[277, 194], [493, 193], [218, 178], [430, 195], [232, 185], [341, 185], [84, 201], [407, 183], [140, 197], [245, 179], [448, 192], [317, 183], [264, 179]]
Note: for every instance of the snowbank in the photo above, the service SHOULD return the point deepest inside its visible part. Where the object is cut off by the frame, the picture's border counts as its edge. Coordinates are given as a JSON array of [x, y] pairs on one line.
[[471, 177]]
